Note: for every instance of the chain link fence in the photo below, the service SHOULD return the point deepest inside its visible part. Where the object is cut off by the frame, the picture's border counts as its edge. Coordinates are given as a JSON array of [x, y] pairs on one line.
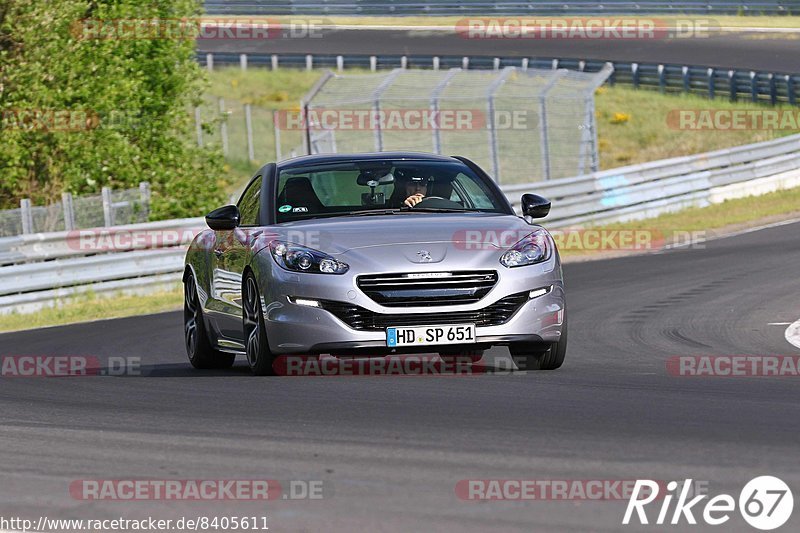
[[521, 125], [110, 208]]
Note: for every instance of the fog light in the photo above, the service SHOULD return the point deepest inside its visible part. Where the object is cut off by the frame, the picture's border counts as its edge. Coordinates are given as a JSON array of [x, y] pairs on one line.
[[540, 292], [305, 302]]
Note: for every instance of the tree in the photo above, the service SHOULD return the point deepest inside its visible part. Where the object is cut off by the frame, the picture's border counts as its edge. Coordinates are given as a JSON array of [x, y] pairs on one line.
[[86, 101]]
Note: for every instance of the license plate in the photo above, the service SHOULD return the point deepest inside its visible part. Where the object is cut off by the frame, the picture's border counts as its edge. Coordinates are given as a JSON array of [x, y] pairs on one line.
[[430, 335]]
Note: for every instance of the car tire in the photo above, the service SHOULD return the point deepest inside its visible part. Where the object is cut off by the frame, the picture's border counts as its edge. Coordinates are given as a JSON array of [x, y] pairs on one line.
[[530, 358], [257, 349], [201, 352]]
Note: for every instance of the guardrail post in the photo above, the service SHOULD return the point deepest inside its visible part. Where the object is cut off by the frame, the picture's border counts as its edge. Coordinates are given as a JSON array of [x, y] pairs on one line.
[[524, 63], [248, 123], [339, 63], [108, 209], [27, 216], [243, 61], [465, 62], [69, 213], [711, 84], [753, 87], [790, 89], [277, 129], [581, 65], [496, 63], [686, 80], [210, 62], [198, 126], [404, 62], [373, 63], [773, 89], [273, 61], [554, 64], [662, 79], [733, 86], [223, 127], [309, 62], [435, 62], [144, 194], [635, 75]]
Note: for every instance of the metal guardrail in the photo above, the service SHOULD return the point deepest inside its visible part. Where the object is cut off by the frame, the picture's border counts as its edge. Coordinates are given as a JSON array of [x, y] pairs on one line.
[[46, 267], [733, 84], [497, 7]]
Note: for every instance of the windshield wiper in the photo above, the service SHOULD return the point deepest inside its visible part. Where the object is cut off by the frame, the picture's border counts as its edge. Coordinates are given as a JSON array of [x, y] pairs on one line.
[[439, 210], [371, 212]]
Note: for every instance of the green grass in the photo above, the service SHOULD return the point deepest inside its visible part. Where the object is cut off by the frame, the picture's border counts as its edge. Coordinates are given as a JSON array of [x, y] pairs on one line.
[[90, 307]]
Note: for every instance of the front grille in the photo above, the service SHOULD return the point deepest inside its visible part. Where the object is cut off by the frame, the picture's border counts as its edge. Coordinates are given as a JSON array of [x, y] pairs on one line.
[[428, 288], [359, 318]]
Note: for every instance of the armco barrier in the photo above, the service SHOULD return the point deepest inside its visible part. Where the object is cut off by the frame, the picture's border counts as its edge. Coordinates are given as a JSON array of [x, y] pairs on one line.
[[713, 82], [496, 7], [45, 267]]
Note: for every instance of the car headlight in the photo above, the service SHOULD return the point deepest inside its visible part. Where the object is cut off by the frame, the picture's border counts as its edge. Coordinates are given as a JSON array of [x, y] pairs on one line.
[[534, 248], [298, 258]]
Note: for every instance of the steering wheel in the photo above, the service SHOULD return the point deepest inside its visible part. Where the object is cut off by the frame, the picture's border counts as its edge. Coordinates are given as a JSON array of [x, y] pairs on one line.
[[438, 202]]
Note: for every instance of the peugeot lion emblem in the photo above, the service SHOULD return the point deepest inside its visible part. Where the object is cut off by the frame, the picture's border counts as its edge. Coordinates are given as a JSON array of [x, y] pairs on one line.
[[424, 256]]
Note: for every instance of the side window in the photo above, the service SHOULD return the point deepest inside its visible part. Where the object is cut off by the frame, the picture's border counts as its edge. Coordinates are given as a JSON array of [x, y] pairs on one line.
[[250, 203]]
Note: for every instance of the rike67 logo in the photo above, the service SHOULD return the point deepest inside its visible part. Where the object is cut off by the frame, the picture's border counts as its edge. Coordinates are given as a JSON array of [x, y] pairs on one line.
[[765, 503]]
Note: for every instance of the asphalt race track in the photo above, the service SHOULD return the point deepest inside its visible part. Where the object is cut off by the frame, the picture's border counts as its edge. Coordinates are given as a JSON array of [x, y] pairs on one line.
[[746, 50], [390, 450]]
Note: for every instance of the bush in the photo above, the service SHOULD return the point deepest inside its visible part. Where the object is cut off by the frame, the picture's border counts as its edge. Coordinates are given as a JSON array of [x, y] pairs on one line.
[[81, 113]]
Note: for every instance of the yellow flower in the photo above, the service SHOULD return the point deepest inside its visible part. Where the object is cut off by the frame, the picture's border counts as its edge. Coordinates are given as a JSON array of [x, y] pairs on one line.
[[620, 118]]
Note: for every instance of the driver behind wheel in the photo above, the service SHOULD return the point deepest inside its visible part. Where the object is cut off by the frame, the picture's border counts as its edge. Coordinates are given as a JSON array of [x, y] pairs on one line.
[[416, 190]]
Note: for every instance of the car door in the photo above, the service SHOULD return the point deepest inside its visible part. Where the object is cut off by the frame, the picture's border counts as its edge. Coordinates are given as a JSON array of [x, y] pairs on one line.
[[231, 254]]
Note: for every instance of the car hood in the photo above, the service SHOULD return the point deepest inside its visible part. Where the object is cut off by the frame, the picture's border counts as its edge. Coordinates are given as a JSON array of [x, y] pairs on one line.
[[407, 231]]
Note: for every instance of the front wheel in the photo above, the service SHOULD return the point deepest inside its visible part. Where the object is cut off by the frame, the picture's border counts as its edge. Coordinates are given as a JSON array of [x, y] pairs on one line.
[[201, 352], [530, 358], [259, 356]]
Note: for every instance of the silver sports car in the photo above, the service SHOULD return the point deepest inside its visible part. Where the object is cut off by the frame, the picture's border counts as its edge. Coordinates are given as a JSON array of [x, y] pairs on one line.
[[371, 255]]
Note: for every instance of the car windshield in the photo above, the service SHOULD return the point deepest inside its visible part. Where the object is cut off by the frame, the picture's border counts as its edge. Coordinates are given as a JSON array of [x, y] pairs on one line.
[[381, 187]]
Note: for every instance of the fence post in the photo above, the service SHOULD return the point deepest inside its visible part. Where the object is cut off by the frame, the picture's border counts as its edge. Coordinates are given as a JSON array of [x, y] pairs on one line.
[[635, 75], [243, 61], [69, 213], [790, 89], [711, 83], [273, 60], [581, 65], [662, 79], [198, 126], [404, 62], [248, 122], [309, 62], [733, 86], [554, 64], [753, 87], [524, 63], [465, 62], [434, 107], [27, 216], [276, 128], [493, 144], [108, 208], [435, 62], [210, 62], [144, 194], [373, 63], [223, 127], [339, 63]]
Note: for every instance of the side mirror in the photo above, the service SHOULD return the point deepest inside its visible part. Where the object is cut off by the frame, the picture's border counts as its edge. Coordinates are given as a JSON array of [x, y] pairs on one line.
[[535, 206], [224, 218]]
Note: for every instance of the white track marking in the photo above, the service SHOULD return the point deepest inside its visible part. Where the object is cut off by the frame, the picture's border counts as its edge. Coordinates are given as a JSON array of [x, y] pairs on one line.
[[793, 334], [778, 323]]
